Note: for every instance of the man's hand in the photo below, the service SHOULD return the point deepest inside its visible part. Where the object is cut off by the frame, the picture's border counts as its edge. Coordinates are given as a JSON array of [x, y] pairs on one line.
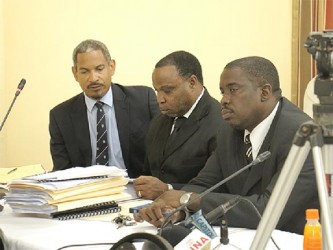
[[160, 208], [149, 187]]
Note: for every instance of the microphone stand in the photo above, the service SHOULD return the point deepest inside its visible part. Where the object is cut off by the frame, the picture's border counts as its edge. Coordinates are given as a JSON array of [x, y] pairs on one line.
[[262, 157], [10, 108], [224, 236]]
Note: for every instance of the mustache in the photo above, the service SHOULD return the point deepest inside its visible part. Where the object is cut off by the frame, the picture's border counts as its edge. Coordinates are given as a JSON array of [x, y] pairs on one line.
[[225, 107], [95, 84]]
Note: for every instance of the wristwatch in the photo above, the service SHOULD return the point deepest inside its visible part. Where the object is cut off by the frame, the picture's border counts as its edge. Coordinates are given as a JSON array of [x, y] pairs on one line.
[[184, 199]]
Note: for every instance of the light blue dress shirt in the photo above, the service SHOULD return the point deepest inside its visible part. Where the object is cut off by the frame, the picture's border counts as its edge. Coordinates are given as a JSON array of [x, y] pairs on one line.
[[115, 154]]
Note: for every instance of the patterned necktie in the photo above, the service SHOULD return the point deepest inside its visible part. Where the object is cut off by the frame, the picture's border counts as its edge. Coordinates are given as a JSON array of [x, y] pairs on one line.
[[248, 149], [102, 146]]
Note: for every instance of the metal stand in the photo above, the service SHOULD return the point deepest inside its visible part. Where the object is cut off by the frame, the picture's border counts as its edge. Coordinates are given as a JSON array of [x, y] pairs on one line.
[[308, 134]]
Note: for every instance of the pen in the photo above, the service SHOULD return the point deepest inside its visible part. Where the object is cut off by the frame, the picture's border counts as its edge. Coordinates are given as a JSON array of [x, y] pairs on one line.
[[11, 171], [165, 214]]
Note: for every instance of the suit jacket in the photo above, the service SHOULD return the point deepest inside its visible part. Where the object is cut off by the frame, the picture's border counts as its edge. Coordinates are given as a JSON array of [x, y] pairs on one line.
[[135, 106], [182, 159], [257, 183]]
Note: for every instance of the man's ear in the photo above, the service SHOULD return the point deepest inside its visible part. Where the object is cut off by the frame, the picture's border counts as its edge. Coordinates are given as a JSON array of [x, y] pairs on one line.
[[266, 92], [74, 71], [193, 80], [112, 65]]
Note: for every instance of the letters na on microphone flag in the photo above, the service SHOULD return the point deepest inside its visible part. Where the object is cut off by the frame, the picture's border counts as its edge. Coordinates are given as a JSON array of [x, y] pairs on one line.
[[194, 241]]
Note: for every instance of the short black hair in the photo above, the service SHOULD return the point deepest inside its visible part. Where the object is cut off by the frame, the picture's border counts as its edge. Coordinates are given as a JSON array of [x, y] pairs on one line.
[[261, 70], [185, 63]]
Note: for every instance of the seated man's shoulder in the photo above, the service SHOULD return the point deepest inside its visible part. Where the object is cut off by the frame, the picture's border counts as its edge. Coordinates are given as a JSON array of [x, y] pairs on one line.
[[291, 118], [294, 113], [133, 88], [68, 103]]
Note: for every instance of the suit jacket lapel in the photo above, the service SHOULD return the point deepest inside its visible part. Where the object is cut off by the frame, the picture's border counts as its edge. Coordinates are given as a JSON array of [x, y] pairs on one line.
[[188, 129], [81, 129], [162, 136], [257, 171], [190, 125], [121, 108]]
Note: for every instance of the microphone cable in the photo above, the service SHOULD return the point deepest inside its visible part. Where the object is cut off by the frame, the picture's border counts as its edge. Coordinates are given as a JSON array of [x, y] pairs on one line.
[[247, 201], [84, 245], [262, 157]]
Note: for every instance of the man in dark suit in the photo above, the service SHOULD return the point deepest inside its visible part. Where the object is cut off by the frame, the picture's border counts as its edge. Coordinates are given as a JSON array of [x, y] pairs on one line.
[[251, 104], [128, 112], [176, 154]]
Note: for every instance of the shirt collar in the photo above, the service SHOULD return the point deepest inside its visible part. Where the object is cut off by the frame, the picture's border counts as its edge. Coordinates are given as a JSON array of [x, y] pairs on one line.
[[106, 99], [189, 112], [259, 133]]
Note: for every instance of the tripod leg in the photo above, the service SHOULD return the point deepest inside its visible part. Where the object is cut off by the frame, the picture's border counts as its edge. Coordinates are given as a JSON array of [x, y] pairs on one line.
[[281, 192], [286, 181], [326, 218]]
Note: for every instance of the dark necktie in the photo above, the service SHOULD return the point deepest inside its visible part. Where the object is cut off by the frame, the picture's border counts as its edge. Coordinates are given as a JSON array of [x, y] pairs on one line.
[[248, 149], [177, 123], [102, 146]]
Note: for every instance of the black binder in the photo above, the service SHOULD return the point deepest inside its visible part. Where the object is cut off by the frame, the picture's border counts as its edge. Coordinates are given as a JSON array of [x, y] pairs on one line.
[[86, 211]]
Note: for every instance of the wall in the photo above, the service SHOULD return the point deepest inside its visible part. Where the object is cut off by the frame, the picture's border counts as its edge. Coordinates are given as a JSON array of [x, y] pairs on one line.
[[2, 86], [39, 37]]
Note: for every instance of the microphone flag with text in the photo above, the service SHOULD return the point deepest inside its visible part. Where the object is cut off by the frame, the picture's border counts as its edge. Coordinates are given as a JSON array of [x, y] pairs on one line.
[[262, 157], [202, 223], [185, 235]]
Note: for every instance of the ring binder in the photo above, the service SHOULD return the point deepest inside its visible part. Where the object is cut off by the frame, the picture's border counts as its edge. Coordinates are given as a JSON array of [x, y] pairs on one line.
[[87, 211]]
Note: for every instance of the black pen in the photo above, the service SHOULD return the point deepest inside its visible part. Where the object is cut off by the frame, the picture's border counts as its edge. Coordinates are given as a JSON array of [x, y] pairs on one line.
[[11, 171]]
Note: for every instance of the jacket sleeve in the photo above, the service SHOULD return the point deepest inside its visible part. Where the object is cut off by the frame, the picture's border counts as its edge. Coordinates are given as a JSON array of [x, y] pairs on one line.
[[58, 150]]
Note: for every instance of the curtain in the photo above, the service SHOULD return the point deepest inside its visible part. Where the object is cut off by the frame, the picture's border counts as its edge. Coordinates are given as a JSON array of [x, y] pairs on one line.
[[308, 16]]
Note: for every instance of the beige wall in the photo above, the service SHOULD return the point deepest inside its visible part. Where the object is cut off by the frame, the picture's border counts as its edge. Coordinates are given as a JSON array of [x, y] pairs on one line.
[[2, 87], [39, 36]]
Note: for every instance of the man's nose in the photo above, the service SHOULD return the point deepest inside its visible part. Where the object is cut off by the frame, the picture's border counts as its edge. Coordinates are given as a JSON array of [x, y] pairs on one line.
[[225, 99], [160, 98], [93, 76]]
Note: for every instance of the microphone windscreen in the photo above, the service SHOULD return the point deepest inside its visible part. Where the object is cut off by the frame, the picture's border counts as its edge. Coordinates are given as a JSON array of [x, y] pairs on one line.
[[150, 245], [175, 234], [125, 246]]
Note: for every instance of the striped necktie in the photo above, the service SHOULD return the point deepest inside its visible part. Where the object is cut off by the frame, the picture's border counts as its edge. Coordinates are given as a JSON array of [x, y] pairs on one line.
[[102, 146], [248, 149]]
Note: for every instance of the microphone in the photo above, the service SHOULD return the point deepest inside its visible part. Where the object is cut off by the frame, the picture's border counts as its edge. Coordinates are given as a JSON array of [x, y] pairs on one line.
[[18, 91], [174, 234], [221, 210], [262, 157], [20, 87]]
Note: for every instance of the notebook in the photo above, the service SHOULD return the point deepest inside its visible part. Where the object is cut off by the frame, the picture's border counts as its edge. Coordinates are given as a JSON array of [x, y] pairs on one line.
[[13, 173], [86, 211]]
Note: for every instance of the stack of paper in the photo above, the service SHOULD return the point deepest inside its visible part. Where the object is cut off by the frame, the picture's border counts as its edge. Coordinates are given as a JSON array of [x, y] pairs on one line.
[[67, 189]]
